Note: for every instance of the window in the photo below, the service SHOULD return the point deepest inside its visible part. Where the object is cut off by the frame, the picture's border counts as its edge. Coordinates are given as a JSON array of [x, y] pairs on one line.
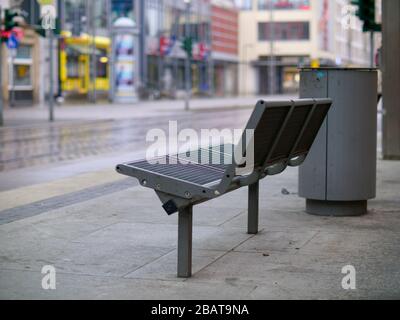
[[20, 71], [122, 8], [284, 31], [24, 52], [284, 4], [102, 64], [72, 66], [244, 4], [22, 75]]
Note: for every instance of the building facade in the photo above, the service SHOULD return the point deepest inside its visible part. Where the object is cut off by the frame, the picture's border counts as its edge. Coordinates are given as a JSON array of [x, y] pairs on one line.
[[84, 53], [163, 25], [213, 28], [277, 37], [225, 47], [21, 73], [167, 23]]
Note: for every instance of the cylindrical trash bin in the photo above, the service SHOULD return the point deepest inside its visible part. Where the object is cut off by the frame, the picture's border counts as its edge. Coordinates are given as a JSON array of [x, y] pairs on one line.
[[339, 174]]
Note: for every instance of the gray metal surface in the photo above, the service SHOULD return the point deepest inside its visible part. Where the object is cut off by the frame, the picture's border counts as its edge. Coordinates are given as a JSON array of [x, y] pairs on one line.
[[252, 215], [185, 171], [185, 224], [282, 133], [336, 208], [314, 166], [391, 79], [283, 130], [341, 165]]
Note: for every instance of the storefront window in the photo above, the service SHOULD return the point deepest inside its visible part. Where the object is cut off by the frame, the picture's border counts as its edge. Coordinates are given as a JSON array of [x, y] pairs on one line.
[[24, 52], [100, 14], [22, 75], [153, 18], [122, 9], [21, 67], [72, 63], [102, 64]]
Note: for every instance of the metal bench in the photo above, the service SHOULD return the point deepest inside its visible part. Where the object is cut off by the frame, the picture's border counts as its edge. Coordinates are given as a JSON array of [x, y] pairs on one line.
[[282, 133]]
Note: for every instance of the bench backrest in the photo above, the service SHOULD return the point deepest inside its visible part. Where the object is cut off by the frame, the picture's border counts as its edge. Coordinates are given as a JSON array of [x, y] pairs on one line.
[[282, 130]]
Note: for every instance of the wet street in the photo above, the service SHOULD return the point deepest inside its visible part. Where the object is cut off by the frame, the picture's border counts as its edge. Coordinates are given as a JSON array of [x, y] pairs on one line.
[[89, 138], [55, 144]]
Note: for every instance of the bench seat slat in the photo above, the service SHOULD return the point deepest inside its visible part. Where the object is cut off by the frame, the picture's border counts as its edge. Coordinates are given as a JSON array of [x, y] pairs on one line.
[[190, 172]]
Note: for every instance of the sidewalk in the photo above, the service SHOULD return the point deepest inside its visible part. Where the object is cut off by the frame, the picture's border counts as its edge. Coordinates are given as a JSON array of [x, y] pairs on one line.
[[142, 109], [109, 238]]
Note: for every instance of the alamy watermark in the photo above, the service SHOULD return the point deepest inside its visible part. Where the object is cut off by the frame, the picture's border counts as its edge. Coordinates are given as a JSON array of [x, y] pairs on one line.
[[349, 280], [49, 278], [48, 15], [187, 142], [348, 18]]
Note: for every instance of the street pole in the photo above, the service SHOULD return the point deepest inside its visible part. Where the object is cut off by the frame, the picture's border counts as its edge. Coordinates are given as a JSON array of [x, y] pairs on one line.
[[187, 61], [160, 62], [272, 39], [12, 52], [210, 56], [372, 56], [94, 55], [61, 17], [1, 78], [50, 34], [88, 79], [110, 55]]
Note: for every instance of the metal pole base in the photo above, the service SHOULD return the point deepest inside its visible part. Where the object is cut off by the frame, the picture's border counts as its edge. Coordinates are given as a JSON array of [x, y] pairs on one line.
[[252, 215], [336, 208], [185, 223]]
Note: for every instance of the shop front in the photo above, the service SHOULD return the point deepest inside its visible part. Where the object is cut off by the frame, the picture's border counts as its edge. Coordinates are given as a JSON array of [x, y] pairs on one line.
[[286, 78], [21, 85]]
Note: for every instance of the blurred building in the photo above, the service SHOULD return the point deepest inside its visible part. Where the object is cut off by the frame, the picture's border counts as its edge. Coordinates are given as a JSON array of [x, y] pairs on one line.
[[165, 28], [84, 48], [160, 59], [214, 29], [21, 73], [295, 33], [225, 46], [84, 55]]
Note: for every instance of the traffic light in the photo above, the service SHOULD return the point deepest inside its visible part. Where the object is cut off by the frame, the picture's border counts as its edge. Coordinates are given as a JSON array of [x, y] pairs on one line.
[[188, 46], [366, 13], [9, 22]]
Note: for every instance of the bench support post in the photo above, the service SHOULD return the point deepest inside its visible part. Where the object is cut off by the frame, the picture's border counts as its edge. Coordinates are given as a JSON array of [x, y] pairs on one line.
[[252, 216], [185, 222]]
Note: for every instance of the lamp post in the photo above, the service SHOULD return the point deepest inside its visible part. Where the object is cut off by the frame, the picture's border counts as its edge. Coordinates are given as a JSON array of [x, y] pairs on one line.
[[50, 34], [272, 39], [246, 64], [187, 60]]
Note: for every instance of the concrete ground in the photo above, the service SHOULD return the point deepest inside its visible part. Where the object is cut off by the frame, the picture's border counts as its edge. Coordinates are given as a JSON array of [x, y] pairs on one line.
[[108, 238]]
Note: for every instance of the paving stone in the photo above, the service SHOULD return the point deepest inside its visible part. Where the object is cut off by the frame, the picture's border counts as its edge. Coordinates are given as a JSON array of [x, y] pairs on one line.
[[123, 246], [165, 267]]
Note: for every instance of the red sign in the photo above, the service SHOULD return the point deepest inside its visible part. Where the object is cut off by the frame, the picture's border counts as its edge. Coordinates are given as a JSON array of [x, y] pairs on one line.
[[200, 51], [18, 32], [164, 45]]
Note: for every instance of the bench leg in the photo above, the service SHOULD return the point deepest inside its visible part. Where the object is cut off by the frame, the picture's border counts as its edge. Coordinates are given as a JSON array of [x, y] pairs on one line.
[[185, 223], [252, 216]]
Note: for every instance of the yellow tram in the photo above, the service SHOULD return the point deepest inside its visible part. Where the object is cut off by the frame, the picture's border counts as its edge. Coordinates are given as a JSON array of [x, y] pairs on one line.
[[76, 68]]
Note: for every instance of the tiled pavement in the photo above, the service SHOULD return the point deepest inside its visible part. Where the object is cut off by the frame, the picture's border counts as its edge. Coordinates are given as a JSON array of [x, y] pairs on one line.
[[118, 243]]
